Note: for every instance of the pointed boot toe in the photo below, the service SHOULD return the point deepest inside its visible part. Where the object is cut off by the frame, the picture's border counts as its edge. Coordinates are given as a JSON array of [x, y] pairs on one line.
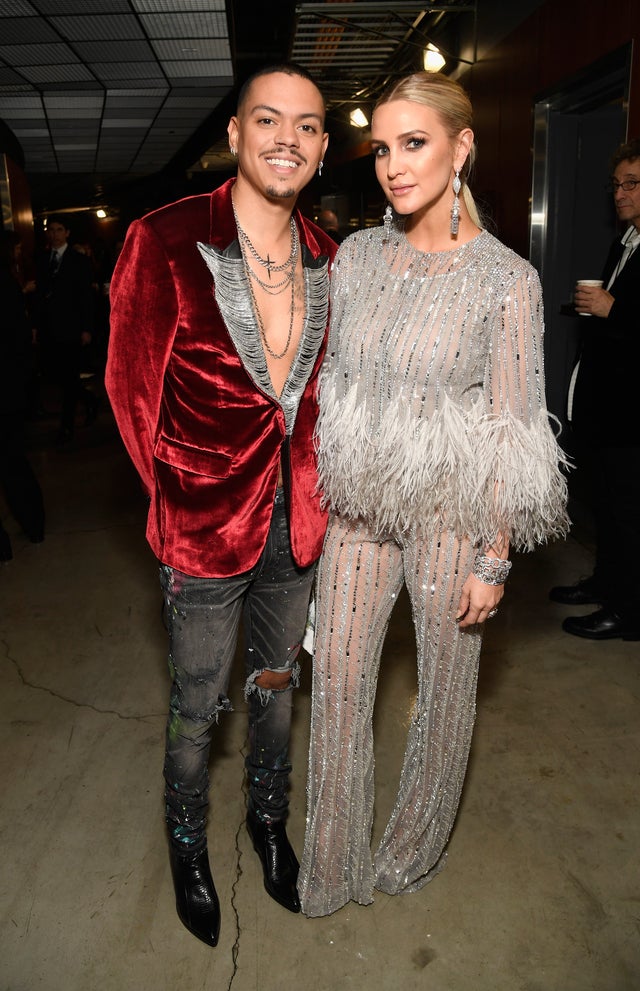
[[197, 902]]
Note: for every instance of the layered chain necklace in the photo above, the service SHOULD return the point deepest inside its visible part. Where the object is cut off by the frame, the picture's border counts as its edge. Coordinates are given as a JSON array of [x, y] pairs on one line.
[[287, 267]]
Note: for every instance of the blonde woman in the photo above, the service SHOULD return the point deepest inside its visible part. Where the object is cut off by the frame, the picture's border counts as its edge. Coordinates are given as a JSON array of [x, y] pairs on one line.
[[436, 456]]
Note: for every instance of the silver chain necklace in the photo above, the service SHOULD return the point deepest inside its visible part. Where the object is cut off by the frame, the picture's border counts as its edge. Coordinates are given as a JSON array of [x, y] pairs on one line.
[[274, 289], [267, 262], [288, 266], [263, 334]]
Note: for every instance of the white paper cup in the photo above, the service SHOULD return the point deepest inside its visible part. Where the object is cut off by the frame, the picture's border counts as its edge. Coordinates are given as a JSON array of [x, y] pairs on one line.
[[588, 282]]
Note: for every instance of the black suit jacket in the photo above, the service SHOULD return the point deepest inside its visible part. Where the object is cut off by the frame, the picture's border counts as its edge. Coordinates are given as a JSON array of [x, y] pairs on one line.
[[606, 404], [64, 299]]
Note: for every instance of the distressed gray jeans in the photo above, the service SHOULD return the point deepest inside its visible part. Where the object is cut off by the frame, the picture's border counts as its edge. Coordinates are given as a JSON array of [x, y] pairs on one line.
[[203, 619]]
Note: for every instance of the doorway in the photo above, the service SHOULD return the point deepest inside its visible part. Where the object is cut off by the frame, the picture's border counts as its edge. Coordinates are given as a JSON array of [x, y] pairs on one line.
[[577, 128]]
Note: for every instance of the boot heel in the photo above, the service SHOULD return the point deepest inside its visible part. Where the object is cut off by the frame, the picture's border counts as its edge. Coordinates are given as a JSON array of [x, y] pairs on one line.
[[279, 862]]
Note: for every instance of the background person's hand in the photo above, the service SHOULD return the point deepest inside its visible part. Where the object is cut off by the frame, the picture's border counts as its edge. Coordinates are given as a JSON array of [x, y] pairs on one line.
[[593, 300]]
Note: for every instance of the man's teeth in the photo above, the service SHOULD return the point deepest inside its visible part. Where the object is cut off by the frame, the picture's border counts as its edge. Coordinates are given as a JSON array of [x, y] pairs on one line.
[[283, 162]]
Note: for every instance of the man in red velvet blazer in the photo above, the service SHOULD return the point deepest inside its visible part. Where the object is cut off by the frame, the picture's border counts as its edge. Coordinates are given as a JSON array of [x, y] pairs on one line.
[[219, 311]]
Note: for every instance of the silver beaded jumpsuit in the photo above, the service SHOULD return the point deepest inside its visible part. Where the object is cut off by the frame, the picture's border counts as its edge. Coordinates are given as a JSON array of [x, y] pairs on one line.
[[433, 438]]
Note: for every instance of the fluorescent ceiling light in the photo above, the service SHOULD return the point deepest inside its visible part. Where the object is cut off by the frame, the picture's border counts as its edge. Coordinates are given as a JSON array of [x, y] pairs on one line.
[[433, 60], [358, 118]]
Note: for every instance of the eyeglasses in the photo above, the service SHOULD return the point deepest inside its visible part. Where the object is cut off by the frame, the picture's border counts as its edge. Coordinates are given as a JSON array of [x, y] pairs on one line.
[[627, 185]]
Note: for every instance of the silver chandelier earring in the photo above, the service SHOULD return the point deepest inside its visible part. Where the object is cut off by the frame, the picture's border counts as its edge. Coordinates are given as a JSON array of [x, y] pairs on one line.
[[320, 164], [387, 220], [455, 209], [233, 152]]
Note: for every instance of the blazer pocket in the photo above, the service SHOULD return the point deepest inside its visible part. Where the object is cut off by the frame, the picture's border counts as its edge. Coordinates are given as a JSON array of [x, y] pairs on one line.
[[213, 464]]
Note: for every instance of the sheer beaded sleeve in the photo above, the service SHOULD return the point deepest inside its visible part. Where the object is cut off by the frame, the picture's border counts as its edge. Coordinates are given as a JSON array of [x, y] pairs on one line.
[[521, 487]]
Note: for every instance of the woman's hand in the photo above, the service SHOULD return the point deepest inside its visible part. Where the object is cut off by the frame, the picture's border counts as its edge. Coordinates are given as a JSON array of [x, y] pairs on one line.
[[476, 601]]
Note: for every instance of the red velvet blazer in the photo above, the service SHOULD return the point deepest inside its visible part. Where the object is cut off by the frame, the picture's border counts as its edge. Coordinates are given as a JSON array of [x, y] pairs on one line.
[[204, 438]]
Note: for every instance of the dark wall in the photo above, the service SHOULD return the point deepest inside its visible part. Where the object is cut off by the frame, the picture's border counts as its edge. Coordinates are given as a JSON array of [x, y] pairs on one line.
[[17, 213], [559, 40]]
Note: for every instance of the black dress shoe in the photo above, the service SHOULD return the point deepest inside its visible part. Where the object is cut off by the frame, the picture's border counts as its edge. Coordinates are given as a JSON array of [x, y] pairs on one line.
[[583, 593], [279, 862], [197, 903], [600, 625]]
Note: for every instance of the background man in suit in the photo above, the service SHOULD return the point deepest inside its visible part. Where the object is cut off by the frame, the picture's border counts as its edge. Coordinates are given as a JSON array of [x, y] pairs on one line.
[[606, 422], [328, 221], [64, 303], [219, 310]]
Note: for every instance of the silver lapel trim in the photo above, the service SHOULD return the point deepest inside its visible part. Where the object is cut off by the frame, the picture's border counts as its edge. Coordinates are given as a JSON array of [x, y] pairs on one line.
[[234, 302]]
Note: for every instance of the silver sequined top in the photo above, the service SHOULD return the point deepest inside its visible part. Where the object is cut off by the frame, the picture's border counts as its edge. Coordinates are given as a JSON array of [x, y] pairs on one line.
[[432, 393]]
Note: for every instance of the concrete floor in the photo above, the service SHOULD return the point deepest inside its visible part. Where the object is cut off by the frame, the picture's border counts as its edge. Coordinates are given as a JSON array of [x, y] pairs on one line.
[[541, 891]]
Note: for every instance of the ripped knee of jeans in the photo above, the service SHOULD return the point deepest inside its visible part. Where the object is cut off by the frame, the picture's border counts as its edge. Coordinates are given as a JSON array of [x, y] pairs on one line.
[[224, 705], [263, 682]]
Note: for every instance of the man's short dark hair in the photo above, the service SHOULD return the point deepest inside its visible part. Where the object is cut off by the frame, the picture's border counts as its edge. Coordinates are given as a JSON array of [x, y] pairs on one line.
[[627, 152], [58, 218], [288, 68]]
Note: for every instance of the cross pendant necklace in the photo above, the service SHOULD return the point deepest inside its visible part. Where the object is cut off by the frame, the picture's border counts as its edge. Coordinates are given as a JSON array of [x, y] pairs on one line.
[[268, 266]]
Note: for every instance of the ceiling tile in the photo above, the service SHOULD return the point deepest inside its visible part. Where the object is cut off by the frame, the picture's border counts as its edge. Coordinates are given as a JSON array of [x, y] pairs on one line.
[[160, 6], [193, 49], [23, 30], [132, 105], [36, 54], [20, 101], [127, 122], [69, 101], [111, 27], [201, 98], [31, 132], [16, 8], [148, 91], [221, 71], [185, 25], [55, 73], [137, 50], [85, 7], [126, 72]]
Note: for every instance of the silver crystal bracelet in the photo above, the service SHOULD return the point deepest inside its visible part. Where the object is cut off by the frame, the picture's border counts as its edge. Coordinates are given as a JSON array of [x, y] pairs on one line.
[[491, 570]]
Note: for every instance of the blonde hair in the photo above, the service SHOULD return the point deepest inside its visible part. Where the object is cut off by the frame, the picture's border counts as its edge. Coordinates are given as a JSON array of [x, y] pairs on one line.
[[453, 106]]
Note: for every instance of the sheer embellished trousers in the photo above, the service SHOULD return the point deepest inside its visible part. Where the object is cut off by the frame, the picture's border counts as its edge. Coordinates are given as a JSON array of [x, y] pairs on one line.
[[358, 583]]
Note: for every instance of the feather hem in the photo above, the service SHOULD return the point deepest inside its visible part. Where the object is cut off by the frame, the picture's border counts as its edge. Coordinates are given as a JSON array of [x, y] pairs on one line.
[[475, 473]]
